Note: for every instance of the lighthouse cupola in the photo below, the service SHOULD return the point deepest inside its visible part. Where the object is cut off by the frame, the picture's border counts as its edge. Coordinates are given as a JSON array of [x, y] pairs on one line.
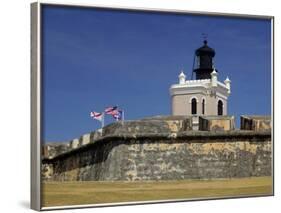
[[204, 61]]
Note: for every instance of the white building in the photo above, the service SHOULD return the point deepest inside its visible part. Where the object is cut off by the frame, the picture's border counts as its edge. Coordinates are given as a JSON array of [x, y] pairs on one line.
[[205, 95]]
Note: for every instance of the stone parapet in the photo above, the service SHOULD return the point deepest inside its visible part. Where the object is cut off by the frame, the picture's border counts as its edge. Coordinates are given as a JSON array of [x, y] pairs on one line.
[[95, 135], [74, 144], [175, 123], [163, 126], [255, 122], [84, 139], [198, 136], [51, 150], [157, 124], [216, 123]]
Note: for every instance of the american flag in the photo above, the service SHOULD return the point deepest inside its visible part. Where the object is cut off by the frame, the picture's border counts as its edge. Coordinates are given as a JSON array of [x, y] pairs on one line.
[[96, 115], [117, 115], [110, 110]]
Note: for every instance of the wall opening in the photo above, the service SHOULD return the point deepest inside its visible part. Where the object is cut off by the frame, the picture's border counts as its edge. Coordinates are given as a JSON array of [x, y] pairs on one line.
[[203, 107], [220, 107], [193, 106]]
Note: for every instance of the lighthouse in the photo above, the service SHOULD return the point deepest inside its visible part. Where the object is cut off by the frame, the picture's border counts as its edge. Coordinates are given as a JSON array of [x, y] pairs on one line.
[[205, 95]]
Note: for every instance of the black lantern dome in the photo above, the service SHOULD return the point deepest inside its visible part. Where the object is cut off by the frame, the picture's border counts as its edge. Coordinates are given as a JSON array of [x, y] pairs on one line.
[[204, 58], [205, 50]]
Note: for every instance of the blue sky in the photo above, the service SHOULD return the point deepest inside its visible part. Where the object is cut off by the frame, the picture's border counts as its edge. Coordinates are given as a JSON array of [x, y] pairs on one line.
[[96, 58]]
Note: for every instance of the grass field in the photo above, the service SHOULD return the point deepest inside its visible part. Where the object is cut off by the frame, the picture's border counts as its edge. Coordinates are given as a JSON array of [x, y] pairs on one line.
[[94, 192]]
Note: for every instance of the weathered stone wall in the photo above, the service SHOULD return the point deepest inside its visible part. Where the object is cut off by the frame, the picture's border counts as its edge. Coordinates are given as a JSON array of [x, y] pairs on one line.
[[166, 156], [175, 123], [216, 123], [156, 124], [255, 122], [51, 150]]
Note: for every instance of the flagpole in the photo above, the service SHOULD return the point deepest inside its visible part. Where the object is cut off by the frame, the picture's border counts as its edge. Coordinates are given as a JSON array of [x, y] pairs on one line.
[[102, 122], [123, 116]]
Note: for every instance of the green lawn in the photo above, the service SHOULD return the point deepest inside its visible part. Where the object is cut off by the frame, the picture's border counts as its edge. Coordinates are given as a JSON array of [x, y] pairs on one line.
[[95, 192]]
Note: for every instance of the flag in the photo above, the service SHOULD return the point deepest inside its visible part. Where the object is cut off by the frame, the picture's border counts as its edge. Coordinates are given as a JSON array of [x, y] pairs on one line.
[[97, 115], [110, 110], [117, 114]]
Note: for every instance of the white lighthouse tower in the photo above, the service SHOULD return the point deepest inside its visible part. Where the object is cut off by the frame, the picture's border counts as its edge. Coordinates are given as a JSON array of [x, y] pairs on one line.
[[205, 95]]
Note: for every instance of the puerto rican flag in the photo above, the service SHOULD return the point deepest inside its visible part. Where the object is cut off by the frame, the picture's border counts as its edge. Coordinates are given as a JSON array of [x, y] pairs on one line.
[[97, 115], [111, 110]]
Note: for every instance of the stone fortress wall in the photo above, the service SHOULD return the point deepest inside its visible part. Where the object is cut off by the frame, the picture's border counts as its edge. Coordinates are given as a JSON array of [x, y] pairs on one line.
[[164, 148]]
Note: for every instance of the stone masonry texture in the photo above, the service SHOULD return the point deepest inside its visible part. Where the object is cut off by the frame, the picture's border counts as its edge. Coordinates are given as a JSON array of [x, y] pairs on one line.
[[165, 156], [163, 148]]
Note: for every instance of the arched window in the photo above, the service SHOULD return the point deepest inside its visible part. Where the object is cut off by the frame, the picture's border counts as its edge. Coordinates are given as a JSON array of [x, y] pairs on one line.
[[203, 107], [193, 106], [220, 107]]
